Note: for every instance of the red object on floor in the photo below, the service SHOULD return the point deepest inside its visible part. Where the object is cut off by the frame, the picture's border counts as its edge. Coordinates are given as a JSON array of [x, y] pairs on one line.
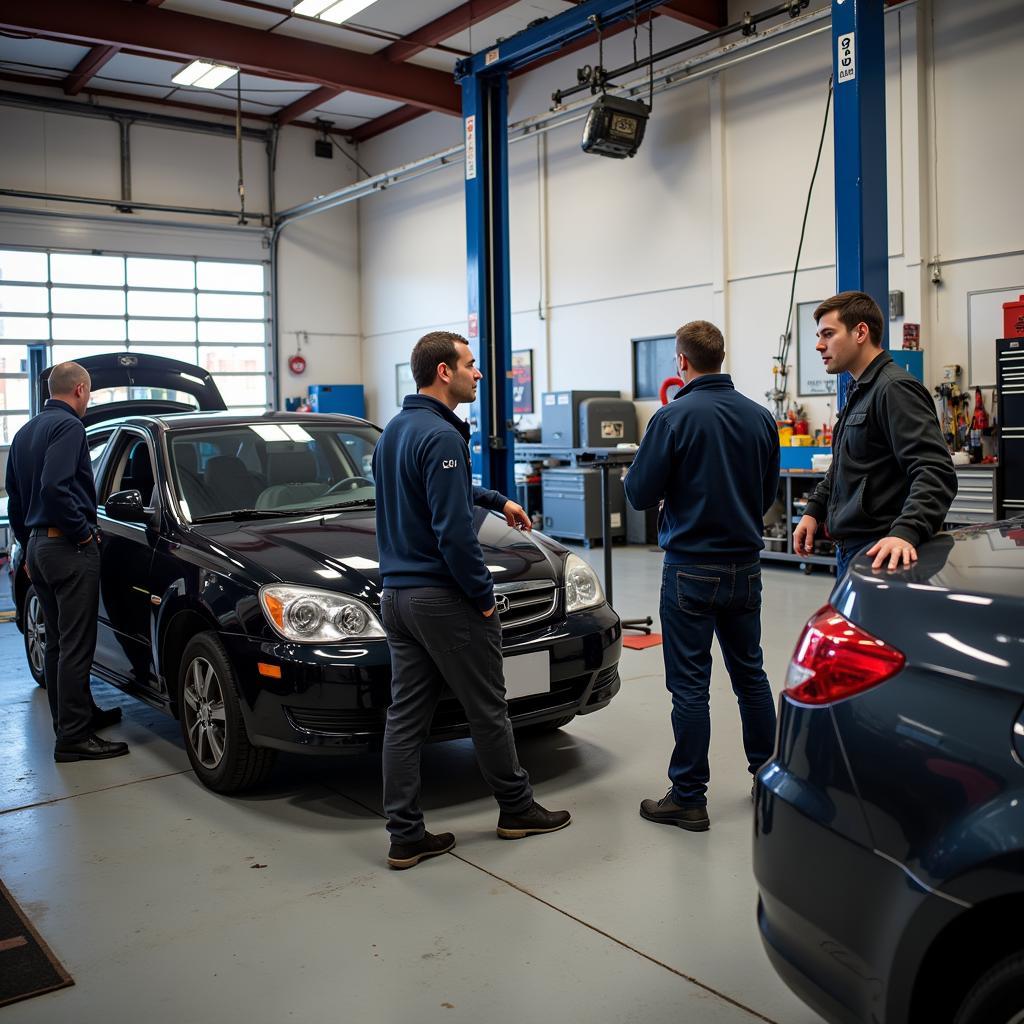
[[638, 643]]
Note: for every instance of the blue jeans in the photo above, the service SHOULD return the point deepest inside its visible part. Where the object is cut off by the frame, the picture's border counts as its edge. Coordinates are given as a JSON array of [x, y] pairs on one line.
[[845, 554], [697, 602]]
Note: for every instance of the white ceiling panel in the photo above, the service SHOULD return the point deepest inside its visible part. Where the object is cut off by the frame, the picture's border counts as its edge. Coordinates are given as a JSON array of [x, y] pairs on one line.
[[128, 89], [403, 17], [436, 59], [356, 105], [221, 11], [25, 55], [147, 70]]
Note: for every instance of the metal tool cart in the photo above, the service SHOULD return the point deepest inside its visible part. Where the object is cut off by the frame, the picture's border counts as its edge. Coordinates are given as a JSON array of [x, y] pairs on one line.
[[795, 486]]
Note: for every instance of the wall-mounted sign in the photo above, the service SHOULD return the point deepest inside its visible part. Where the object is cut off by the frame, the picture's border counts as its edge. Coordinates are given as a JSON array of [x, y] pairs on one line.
[[522, 381]]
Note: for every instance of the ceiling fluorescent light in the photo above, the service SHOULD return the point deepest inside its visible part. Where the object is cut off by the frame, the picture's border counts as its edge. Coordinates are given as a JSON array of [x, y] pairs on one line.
[[191, 74], [312, 8], [344, 10], [204, 74]]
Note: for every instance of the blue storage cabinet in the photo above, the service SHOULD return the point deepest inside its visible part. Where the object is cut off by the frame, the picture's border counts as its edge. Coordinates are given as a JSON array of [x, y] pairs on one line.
[[912, 360], [341, 398]]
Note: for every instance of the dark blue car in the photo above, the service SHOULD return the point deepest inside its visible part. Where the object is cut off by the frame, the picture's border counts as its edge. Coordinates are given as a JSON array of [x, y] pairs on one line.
[[889, 832]]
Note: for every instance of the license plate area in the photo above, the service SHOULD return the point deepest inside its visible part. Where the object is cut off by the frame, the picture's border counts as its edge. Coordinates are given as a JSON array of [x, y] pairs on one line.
[[527, 675]]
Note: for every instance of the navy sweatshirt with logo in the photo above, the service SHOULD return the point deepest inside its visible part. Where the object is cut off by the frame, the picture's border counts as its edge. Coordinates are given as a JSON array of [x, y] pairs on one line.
[[712, 455], [426, 534]]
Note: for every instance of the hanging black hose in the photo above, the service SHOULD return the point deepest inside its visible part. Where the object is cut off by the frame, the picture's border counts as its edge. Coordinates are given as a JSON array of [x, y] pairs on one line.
[[779, 392], [238, 140]]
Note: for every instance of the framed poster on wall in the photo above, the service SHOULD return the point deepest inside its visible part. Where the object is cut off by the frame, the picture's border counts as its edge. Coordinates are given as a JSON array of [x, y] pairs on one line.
[[811, 378], [404, 384], [522, 381]]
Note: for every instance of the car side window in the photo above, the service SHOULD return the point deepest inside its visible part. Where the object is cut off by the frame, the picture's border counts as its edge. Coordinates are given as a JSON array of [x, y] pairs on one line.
[[97, 447], [132, 469]]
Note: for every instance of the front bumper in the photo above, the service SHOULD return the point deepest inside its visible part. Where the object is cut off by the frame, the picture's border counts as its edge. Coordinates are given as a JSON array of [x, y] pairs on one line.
[[334, 699]]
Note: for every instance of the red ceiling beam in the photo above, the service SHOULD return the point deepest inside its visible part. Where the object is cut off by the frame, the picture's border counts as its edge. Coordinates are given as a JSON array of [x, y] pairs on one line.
[[443, 28], [705, 14], [307, 103], [114, 23], [94, 60]]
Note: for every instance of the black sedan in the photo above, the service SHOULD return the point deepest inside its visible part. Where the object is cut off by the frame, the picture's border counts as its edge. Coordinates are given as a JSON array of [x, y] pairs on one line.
[[889, 834], [240, 588]]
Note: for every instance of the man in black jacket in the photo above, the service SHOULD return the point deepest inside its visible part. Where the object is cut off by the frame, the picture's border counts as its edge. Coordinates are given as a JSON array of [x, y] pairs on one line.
[[52, 510], [712, 456], [438, 605], [892, 480]]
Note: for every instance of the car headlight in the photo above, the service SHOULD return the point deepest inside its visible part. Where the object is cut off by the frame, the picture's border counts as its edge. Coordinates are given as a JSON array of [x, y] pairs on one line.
[[318, 616], [582, 587]]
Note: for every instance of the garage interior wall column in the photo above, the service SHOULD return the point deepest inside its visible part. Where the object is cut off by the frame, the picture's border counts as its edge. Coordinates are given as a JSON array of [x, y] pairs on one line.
[[858, 78]]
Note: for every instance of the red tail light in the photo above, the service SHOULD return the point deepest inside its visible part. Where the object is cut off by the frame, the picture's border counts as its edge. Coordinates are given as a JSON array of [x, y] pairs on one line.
[[836, 659]]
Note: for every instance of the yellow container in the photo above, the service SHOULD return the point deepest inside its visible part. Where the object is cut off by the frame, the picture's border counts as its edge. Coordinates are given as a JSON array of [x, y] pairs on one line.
[[800, 441], [785, 433]]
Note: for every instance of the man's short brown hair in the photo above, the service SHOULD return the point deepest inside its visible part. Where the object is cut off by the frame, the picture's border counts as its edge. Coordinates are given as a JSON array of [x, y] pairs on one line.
[[65, 377], [855, 308], [430, 351], [702, 344]]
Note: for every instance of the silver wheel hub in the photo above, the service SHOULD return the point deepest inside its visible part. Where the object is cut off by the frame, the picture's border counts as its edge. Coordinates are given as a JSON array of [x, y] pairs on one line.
[[35, 634], [203, 713]]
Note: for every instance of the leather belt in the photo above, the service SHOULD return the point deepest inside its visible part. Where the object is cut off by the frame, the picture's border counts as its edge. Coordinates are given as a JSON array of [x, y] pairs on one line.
[[52, 531]]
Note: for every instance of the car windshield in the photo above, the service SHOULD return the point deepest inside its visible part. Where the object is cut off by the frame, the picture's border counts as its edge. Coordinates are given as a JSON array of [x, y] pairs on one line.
[[272, 467]]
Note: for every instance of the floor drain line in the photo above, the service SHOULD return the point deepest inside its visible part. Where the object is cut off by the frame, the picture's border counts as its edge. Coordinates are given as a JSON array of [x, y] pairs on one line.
[[586, 924]]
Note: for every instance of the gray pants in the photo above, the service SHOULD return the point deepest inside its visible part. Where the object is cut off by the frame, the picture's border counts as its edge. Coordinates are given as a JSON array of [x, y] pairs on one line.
[[437, 636], [66, 576]]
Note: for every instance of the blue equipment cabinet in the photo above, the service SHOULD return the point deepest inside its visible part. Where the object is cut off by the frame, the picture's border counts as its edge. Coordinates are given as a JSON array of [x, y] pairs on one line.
[[912, 360], [341, 398]]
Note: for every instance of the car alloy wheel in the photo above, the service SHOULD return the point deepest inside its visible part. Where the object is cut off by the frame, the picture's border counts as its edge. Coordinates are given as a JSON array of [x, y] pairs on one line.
[[35, 636], [205, 719]]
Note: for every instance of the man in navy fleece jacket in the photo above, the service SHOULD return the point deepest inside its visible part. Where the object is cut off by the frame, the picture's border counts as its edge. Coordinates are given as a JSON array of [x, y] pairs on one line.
[[438, 605], [712, 456]]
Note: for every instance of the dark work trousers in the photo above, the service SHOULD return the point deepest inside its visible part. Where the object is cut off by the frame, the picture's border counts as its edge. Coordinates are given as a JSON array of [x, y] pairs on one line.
[[66, 576], [697, 602], [436, 636]]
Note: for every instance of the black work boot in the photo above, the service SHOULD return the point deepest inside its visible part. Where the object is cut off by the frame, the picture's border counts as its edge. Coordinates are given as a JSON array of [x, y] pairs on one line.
[[534, 821], [91, 748], [408, 855], [663, 811]]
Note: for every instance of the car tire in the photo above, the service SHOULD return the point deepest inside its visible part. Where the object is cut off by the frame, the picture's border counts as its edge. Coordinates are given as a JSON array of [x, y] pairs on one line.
[[212, 725], [34, 635], [998, 997]]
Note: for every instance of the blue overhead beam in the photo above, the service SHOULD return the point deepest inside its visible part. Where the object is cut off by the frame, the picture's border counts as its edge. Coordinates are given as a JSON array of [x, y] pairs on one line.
[[858, 76]]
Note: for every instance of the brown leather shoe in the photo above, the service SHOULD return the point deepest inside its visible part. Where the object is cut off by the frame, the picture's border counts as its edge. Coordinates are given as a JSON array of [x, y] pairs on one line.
[[408, 855], [665, 812], [534, 821]]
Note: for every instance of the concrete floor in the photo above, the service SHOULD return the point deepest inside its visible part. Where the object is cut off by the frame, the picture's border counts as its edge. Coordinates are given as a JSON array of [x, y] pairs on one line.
[[168, 903]]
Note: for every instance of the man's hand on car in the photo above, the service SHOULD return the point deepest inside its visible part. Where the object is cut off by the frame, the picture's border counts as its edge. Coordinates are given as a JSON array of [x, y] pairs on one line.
[[516, 517], [894, 549], [803, 535]]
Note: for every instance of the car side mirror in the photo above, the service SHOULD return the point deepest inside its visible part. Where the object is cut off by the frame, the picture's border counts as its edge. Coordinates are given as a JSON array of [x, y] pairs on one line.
[[127, 507]]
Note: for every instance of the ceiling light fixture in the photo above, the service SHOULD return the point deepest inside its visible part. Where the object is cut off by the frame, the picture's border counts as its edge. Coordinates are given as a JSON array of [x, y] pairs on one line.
[[204, 74], [334, 11]]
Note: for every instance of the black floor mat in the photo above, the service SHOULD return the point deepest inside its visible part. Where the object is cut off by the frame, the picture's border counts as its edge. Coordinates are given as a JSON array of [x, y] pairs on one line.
[[27, 967]]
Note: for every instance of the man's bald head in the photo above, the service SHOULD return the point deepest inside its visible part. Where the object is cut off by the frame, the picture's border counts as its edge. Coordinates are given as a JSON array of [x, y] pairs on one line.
[[70, 382]]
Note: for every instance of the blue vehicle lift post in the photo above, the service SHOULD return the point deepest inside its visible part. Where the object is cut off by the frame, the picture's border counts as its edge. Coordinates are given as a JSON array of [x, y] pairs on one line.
[[858, 77]]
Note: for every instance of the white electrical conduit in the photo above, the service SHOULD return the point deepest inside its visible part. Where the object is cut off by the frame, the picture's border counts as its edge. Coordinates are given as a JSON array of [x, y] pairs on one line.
[[668, 78]]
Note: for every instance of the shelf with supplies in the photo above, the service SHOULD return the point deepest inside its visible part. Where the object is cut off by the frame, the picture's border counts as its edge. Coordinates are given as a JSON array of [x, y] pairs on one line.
[[795, 487]]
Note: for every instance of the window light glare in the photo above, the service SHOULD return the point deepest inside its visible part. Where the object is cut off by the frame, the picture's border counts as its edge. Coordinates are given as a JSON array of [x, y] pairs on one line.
[[312, 8], [344, 10], [204, 74]]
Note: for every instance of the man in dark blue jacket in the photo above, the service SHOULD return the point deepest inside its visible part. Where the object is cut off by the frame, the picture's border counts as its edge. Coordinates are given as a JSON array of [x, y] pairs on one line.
[[712, 457], [438, 604], [52, 509]]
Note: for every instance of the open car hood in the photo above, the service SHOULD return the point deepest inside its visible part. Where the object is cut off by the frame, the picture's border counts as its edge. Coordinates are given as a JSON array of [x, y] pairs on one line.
[[134, 370]]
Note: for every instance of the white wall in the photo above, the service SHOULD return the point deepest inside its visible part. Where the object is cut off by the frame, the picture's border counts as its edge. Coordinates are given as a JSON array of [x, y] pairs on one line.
[[318, 269], [704, 222]]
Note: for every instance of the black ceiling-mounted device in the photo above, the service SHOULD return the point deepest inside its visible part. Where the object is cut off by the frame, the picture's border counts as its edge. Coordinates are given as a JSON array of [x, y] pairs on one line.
[[322, 147], [615, 127]]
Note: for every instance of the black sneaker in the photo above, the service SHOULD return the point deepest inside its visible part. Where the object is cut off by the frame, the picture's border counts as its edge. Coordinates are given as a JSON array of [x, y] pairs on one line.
[[663, 811], [534, 821], [408, 855], [92, 748]]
